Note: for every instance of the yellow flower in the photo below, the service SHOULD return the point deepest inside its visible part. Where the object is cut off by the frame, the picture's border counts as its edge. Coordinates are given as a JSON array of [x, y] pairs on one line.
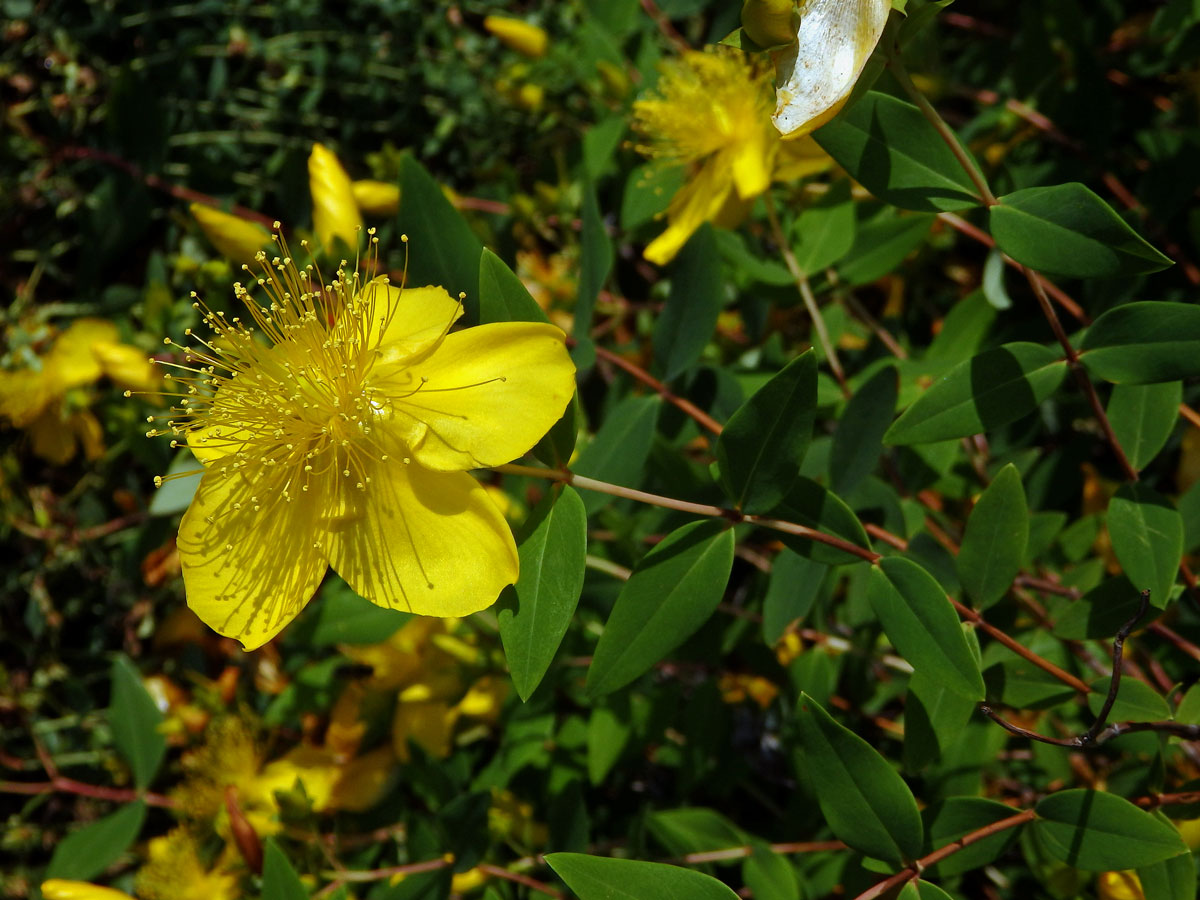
[[37, 399], [711, 112], [345, 441], [520, 36], [817, 72], [1119, 886], [62, 889], [175, 872]]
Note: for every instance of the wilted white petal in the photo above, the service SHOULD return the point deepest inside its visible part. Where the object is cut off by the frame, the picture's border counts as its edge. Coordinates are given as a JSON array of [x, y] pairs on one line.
[[817, 73]]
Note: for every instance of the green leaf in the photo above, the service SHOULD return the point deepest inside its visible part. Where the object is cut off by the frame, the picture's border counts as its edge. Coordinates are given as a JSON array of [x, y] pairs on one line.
[[648, 191], [689, 316], [864, 801], [893, 151], [443, 250], [934, 718], [672, 592], [343, 617], [694, 830], [823, 233], [547, 590], [1101, 611], [1143, 343], [617, 454], [922, 890], [858, 440], [1066, 230], [176, 494], [764, 442], [989, 390], [134, 720], [920, 622], [595, 262], [1171, 879], [881, 245], [1142, 418], [1103, 832], [811, 505], [280, 881], [993, 546], [795, 583], [1136, 701], [600, 144], [603, 878], [769, 875], [955, 817], [502, 295], [85, 853], [608, 733], [558, 444], [1147, 537]]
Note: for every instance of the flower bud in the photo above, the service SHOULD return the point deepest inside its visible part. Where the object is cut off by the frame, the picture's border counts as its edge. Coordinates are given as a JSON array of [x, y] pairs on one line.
[[335, 213], [234, 238], [520, 36], [376, 198], [62, 889], [769, 23]]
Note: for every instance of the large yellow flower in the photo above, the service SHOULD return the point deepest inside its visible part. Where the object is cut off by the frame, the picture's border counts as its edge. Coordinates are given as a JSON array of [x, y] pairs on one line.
[[711, 112], [344, 440]]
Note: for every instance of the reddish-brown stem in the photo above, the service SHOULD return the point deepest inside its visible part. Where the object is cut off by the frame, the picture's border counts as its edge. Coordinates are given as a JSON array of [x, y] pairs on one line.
[[64, 785], [516, 877], [665, 27], [914, 871], [699, 416], [1085, 383]]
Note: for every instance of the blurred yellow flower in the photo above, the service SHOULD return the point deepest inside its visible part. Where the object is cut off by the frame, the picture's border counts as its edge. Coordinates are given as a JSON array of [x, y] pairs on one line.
[[174, 871], [710, 112], [346, 441], [817, 72], [43, 400], [517, 34], [337, 202], [468, 881], [62, 889], [737, 687], [1119, 886]]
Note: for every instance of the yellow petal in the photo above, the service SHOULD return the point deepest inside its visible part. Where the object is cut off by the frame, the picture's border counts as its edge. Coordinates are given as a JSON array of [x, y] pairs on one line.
[[485, 395], [24, 395], [248, 572], [335, 214], [425, 542], [429, 725], [61, 889], [128, 366], [410, 321], [235, 238], [698, 201], [52, 440], [1119, 886], [362, 782], [376, 198], [71, 362], [752, 162], [520, 36], [313, 767], [817, 73], [485, 698], [88, 431], [800, 158]]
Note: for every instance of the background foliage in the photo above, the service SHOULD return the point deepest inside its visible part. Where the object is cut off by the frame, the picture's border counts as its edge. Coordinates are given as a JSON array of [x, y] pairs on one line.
[[774, 712]]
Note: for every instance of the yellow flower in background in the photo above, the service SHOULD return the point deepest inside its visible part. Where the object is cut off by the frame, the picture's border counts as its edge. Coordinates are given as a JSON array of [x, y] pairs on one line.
[[518, 35], [174, 871], [710, 112], [817, 72], [44, 403], [62, 889], [338, 205], [346, 441], [1119, 886]]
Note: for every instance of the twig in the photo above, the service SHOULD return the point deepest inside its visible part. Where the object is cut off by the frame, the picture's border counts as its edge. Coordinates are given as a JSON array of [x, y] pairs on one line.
[[703, 419], [516, 877], [1097, 734]]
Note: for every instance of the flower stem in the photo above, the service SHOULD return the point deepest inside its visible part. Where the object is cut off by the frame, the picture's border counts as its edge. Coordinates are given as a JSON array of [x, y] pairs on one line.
[[806, 294]]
